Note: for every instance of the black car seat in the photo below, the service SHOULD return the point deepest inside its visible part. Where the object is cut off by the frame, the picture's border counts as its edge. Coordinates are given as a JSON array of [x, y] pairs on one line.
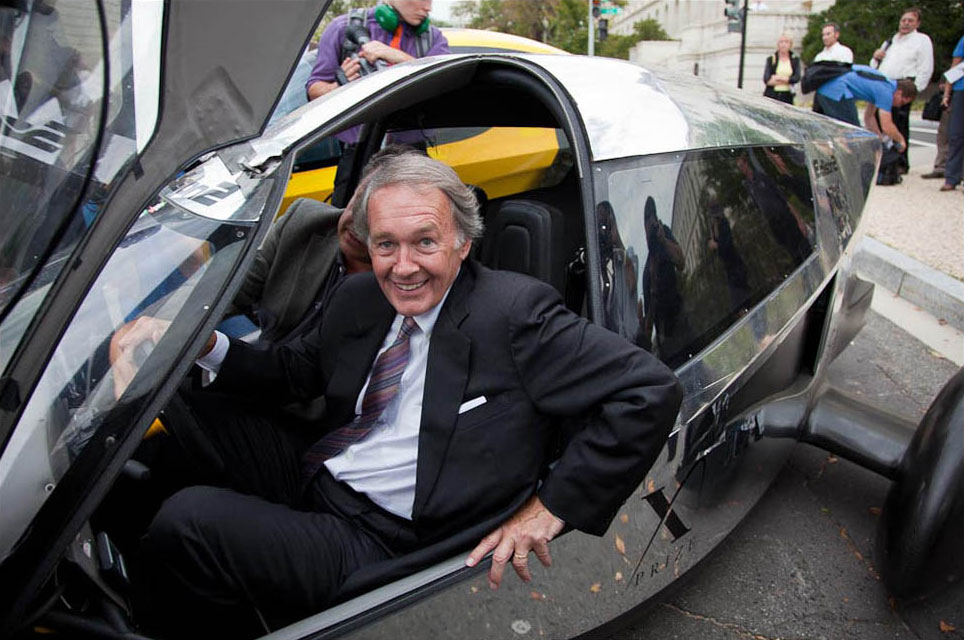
[[526, 236]]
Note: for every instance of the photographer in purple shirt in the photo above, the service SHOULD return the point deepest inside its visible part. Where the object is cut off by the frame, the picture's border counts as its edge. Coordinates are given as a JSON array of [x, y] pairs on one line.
[[397, 31]]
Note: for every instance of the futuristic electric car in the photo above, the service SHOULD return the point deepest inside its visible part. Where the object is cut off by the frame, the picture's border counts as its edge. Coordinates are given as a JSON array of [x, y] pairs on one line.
[[713, 228]]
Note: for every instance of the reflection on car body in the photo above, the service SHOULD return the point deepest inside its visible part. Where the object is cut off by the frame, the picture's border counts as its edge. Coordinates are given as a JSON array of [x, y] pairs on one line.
[[717, 231]]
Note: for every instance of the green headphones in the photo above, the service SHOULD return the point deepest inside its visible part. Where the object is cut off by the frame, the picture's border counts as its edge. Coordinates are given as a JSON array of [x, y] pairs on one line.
[[387, 18]]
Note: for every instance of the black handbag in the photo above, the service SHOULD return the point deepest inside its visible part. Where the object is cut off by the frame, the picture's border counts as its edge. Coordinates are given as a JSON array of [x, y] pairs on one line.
[[933, 109], [819, 73]]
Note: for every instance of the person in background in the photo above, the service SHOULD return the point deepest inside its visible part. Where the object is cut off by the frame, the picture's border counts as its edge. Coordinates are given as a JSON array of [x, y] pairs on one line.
[[954, 100], [907, 54], [837, 98], [833, 51], [782, 71], [393, 32], [943, 135]]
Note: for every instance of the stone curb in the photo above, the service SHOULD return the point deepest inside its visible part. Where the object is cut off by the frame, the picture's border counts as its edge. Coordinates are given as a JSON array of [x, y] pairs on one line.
[[930, 289]]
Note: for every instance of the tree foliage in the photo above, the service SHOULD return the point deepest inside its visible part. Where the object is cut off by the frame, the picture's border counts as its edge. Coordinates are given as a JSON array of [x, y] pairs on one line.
[[561, 23], [649, 29], [616, 46], [865, 25]]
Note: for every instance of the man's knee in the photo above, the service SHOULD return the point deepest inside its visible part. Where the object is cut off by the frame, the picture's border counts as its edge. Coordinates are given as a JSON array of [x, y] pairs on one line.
[[179, 571], [181, 526]]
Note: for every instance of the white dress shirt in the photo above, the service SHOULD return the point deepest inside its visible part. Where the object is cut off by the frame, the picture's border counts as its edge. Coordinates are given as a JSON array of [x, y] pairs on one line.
[[383, 464], [835, 53], [909, 56]]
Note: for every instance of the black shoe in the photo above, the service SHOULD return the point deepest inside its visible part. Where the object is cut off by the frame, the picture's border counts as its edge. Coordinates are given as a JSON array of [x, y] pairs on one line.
[[933, 175]]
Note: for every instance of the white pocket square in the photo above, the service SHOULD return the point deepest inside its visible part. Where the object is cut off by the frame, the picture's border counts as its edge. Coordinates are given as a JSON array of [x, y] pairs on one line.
[[471, 404]]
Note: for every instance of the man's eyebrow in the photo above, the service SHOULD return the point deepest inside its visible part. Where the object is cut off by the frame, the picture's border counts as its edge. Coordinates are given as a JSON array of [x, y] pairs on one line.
[[380, 236], [427, 227]]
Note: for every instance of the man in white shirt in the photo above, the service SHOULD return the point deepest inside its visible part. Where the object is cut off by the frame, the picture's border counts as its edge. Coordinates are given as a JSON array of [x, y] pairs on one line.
[[908, 54], [833, 51]]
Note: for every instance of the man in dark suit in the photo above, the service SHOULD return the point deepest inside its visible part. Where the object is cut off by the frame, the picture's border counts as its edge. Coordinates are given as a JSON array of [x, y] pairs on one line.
[[295, 270], [445, 384]]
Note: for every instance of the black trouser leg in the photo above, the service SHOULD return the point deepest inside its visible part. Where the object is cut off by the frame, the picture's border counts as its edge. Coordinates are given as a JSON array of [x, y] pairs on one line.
[[244, 445], [216, 561], [901, 116]]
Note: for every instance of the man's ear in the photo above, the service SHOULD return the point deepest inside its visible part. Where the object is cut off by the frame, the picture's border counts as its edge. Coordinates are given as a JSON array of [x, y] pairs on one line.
[[464, 249]]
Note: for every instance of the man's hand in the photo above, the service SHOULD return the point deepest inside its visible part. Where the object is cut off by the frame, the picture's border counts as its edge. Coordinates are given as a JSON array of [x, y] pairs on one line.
[[351, 67], [375, 50], [124, 343], [529, 529], [879, 54]]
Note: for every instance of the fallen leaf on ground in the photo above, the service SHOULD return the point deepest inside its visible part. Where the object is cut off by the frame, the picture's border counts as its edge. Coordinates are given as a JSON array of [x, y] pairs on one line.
[[596, 587], [651, 485], [624, 518], [535, 595], [620, 545], [475, 589], [832, 459], [947, 628], [619, 576], [843, 533], [874, 511]]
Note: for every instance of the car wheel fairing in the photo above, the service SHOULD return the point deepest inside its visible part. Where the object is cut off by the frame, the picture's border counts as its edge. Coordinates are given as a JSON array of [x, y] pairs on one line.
[[919, 537]]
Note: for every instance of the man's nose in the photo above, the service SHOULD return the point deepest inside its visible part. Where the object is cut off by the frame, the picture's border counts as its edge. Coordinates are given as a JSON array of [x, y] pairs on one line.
[[404, 263]]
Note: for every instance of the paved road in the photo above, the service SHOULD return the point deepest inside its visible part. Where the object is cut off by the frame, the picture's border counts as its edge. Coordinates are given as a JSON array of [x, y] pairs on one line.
[[802, 565], [923, 133]]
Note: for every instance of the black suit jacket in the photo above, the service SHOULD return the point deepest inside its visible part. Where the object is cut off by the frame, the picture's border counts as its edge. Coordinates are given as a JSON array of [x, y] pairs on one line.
[[507, 337], [290, 268]]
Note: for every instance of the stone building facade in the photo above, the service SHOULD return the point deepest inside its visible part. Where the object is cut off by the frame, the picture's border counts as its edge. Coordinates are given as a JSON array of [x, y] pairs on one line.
[[701, 43]]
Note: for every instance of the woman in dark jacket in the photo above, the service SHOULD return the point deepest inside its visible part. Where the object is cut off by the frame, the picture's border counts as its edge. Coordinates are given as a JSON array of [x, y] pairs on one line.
[[781, 72]]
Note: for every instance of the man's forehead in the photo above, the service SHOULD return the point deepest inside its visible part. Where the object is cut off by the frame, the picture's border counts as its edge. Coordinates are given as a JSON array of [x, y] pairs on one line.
[[428, 203]]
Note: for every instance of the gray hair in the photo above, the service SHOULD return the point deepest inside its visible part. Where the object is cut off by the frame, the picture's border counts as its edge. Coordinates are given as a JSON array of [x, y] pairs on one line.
[[421, 172]]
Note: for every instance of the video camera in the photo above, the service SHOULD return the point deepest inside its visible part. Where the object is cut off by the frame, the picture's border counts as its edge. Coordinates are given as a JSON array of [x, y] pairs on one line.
[[356, 36]]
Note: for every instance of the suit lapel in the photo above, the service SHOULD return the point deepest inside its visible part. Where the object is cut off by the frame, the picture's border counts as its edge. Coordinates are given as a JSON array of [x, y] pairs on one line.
[[446, 376], [372, 317], [318, 257]]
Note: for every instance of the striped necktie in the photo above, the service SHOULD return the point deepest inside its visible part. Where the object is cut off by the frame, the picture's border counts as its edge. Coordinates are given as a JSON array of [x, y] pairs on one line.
[[382, 387]]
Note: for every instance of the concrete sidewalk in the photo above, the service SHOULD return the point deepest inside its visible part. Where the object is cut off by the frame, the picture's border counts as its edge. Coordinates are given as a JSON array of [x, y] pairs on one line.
[[914, 245]]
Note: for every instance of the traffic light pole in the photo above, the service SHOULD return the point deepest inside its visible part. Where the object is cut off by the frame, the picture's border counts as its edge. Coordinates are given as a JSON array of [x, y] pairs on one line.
[[592, 30], [746, 14]]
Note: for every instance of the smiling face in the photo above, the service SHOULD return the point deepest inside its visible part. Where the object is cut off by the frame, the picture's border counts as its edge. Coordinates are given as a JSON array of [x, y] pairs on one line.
[[413, 243], [829, 36]]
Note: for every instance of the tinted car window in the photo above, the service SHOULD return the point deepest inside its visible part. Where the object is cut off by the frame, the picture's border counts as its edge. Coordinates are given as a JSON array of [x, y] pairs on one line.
[[690, 242]]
